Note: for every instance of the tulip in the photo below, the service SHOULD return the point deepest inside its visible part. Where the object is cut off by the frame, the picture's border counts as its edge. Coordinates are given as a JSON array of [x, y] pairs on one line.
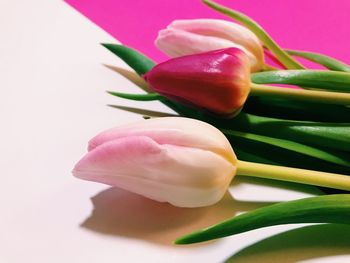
[[217, 81], [187, 37], [185, 162]]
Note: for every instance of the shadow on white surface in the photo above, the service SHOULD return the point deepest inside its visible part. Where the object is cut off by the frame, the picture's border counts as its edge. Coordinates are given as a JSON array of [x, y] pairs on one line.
[[121, 213], [306, 243]]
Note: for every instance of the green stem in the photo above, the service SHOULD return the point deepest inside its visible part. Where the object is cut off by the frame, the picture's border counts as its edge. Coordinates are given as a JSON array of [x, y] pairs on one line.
[[302, 95], [331, 180], [326, 61], [319, 79], [282, 56]]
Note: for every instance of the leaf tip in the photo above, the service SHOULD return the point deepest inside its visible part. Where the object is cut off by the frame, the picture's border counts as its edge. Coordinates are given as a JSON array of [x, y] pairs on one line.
[[110, 46], [105, 44], [189, 239], [179, 241]]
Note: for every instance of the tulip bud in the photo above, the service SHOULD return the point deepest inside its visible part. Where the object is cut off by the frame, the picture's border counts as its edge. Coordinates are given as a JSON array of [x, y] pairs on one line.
[[187, 37], [185, 162], [217, 81]]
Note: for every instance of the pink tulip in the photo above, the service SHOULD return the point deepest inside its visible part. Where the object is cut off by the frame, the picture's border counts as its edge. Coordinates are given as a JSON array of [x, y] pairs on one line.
[[185, 162], [186, 37], [217, 81]]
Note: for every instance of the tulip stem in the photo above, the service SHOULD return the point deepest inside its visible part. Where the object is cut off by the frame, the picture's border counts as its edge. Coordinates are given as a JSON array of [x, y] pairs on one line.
[[296, 175], [268, 67], [338, 98], [283, 57]]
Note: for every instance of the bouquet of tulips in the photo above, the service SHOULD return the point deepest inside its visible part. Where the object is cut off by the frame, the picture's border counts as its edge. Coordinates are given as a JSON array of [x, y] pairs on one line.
[[231, 121]]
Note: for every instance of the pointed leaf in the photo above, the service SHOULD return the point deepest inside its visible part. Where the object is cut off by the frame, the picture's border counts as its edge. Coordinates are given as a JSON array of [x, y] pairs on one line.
[[330, 135], [290, 145], [137, 61], [321, 209], [320, 59], [139, 97]]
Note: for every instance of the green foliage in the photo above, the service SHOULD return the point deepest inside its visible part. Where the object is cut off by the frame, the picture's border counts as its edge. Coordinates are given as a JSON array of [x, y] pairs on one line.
[[320, 59], [319, 79], [321, 209], [137, 61]]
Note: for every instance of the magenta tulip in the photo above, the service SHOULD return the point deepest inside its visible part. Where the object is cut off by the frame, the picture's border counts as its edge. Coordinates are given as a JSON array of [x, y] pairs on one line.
[[216, 81]]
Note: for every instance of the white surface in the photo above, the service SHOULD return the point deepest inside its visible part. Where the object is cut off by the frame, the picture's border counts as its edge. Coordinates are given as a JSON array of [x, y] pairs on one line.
[[52, 102]]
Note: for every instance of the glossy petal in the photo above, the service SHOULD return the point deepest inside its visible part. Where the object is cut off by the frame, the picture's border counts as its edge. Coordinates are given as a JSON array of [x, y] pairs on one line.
[[217, 81]]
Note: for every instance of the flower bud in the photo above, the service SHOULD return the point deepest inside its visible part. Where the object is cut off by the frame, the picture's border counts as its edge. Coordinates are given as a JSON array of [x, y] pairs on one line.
[[216, 81], [185, 162], [187, 37]]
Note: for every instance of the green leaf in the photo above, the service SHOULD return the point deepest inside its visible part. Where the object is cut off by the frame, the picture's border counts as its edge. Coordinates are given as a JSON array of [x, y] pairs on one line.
[[142, 64], [255, 151], [336, 136], [296, 110], [137, 61], [138, 97], [319, 79], [252, 156], [289, 145], [296, 245], [264, 37], [331, 135], [321, 59], [321, 209]]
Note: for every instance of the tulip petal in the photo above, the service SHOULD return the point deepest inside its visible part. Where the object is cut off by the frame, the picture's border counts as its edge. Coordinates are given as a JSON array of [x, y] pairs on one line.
[[182, 176], [218, 81], [223, 29], [177, 43], [174, 131], [210, 34]]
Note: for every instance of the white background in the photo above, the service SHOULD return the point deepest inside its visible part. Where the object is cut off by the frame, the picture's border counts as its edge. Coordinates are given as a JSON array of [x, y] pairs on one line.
[[52, 101]]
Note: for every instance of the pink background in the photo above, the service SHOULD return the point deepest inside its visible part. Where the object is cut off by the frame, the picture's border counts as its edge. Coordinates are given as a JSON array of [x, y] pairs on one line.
[[314, 25]]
